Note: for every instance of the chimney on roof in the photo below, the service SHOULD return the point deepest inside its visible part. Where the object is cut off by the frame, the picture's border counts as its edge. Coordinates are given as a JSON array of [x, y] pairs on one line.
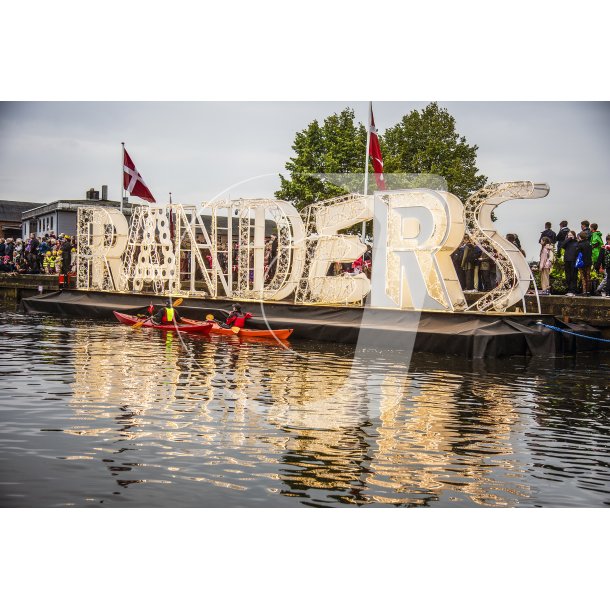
[[104, 192], [93, 194]]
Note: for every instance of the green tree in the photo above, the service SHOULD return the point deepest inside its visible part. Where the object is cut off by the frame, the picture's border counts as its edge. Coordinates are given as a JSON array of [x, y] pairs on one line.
[[426, 142], [337, 146]]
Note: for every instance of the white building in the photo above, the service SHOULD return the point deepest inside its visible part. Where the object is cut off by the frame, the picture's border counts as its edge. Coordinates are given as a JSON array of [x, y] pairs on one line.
[[60, 216]]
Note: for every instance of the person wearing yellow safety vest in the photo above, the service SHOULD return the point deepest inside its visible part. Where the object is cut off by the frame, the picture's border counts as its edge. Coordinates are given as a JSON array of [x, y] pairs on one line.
[[167, 314], [48, 263]]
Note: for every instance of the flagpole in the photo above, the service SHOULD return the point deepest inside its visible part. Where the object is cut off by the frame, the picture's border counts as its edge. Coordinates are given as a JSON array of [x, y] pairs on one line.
[[366, 163], [171, 218], [122, 175]]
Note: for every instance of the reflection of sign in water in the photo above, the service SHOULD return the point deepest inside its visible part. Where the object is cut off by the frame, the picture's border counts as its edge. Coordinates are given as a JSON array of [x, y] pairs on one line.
[[415, 232], [238, 417]]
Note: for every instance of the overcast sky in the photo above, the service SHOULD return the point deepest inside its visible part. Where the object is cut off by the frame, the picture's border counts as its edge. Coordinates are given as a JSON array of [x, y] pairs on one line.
[[196, 150]]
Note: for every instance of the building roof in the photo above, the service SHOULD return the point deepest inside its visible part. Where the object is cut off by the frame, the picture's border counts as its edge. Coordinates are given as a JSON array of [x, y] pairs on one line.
[[69, 205], [12, 210]]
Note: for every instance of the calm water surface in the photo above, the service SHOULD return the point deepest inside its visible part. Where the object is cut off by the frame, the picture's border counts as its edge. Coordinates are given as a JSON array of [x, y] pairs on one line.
[[96, 414]]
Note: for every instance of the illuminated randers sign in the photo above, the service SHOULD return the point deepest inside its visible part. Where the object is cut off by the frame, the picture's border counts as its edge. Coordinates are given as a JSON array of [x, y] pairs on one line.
[[220, 249]]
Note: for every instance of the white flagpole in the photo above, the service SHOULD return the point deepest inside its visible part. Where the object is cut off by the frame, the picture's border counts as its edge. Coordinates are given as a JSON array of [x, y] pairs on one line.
[[122, 173], [366, 163]]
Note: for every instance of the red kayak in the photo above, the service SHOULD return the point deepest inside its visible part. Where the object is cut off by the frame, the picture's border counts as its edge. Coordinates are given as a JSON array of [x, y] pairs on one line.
[[200, 328]]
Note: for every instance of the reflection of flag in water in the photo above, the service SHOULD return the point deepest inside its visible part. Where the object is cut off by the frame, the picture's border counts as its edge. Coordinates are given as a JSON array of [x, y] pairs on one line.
[[133, 182], [375, 152]]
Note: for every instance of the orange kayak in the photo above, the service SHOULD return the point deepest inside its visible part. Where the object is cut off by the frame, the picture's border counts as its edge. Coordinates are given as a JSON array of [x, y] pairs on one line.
[[250, 333]]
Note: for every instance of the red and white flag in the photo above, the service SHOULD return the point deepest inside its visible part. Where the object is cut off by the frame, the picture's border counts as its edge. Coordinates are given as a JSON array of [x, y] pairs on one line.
[[375, 153], [133, 182]]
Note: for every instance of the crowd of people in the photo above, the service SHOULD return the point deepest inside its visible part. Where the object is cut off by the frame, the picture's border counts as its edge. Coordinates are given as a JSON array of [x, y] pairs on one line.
[[50, 254], [579, 253], [582, 253]]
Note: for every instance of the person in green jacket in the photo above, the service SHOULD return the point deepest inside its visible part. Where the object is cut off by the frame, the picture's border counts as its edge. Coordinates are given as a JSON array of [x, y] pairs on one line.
[[604, 288], [597, 243]]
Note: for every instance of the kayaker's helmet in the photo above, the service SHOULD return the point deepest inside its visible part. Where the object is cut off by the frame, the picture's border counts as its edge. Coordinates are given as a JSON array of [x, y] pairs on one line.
[[168, 302], [236, 307]]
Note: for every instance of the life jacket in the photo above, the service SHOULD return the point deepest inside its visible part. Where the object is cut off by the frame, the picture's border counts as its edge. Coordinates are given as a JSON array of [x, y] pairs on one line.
[[168, 314], [238, 320]]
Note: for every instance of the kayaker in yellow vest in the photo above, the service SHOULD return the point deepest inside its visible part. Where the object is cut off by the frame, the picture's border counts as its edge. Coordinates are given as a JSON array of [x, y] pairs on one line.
[[167, 314]]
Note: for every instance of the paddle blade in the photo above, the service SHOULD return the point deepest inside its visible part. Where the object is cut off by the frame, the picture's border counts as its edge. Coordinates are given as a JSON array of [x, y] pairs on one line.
[[209, 317], [178, 302], [235, 330], [138, 324]]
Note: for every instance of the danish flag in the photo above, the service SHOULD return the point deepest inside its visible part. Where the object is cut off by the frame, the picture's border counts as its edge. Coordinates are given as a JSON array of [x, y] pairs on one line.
[[375, 153], [133, 181]]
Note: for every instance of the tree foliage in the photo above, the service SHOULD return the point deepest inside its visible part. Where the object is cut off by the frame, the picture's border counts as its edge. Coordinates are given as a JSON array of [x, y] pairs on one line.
[[423, 142], [337, 146], [427, 142]]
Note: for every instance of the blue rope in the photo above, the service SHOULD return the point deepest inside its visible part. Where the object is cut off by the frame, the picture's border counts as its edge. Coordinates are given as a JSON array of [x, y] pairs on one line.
[[569, 332]]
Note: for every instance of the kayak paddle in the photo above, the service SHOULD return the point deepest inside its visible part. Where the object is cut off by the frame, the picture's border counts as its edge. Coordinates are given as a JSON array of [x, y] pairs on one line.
[[210, 318]]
